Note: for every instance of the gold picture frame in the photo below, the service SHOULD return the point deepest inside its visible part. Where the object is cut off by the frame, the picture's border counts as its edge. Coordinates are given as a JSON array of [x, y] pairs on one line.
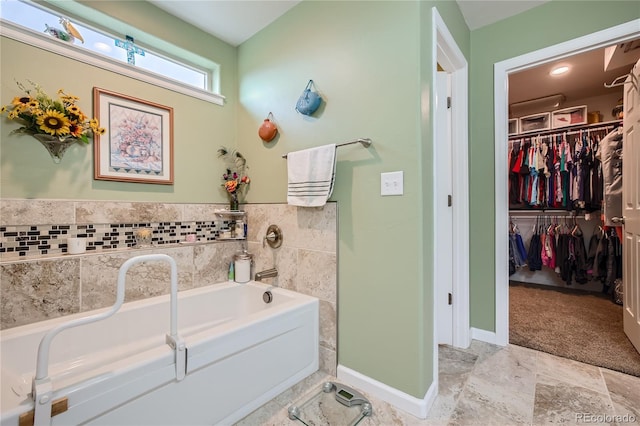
[[137, 145]]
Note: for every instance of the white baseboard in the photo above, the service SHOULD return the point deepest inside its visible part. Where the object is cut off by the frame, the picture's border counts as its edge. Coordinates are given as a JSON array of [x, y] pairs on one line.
[[403, 401], [484, 336]]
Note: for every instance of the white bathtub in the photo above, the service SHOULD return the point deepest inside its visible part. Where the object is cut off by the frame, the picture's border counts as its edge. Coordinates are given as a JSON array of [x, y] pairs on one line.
[[241, 352]]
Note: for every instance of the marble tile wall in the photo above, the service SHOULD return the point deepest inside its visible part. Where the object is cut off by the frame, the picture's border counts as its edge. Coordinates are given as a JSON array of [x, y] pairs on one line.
[[37, 288], [306, 261]]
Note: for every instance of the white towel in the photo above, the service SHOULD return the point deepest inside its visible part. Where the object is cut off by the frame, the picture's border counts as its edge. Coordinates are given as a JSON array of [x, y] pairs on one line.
[[311, 174]]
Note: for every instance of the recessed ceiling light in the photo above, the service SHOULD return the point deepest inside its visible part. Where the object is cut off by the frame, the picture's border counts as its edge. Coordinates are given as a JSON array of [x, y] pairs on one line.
[[559, 70]]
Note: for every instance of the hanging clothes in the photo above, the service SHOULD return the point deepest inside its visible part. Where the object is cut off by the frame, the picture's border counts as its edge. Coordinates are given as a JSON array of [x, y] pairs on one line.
[[557, 171], [515, 160], [592, 252], [600, 260], [534, 259], [607, 260], [564, 260], [517, 251], [569, 261], [596, 177], [580, 254], [512, 261], [610, 154], [522, 251], [548, 250], [572, 256], [613, 262]]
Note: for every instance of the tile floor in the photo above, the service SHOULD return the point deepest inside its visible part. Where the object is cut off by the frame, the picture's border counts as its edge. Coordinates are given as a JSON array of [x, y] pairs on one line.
[[493, 385]]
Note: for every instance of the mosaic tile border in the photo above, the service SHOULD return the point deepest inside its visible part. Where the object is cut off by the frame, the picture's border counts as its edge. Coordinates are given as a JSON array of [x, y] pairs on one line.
[[35, 241]]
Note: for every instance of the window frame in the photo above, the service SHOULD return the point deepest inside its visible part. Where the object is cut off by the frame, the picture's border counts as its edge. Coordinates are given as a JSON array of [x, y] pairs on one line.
[[43, 41]]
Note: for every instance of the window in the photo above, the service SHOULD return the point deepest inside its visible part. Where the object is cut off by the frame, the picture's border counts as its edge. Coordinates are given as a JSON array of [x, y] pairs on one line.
[[97, 44]]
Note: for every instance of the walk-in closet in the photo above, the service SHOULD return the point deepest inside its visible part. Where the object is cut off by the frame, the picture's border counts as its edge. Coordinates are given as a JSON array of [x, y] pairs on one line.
[[565, 230]]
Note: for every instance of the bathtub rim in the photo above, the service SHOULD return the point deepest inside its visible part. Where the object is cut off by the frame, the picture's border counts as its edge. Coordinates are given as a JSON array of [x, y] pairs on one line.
[[52, 322]]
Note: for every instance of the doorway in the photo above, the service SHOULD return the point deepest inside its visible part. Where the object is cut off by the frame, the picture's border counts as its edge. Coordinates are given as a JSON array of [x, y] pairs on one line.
[[621, 33]]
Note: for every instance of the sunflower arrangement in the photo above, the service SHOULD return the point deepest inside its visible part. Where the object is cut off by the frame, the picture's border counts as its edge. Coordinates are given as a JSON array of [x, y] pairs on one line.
[[41, 114], [235, 180]]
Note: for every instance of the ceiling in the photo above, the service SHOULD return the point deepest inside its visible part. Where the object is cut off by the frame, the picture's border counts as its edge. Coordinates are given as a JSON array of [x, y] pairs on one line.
[[479, 13], [586, 76], [235, 21]]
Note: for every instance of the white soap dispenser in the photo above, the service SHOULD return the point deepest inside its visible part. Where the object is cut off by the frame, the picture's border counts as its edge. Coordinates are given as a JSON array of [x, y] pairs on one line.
[[242, 266]]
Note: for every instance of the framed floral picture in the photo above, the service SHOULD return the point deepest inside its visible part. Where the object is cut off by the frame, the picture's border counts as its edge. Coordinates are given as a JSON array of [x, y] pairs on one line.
[[137, 145]]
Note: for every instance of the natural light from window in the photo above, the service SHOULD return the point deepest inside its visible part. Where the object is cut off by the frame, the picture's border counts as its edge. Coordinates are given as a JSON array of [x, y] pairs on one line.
[[35, 18]]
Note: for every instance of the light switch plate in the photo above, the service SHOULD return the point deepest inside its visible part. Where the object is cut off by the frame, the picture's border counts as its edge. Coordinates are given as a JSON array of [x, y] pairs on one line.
[[392, 183]]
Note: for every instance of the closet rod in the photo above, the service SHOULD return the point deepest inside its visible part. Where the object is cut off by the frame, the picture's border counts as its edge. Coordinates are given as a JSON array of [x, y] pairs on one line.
[[574, 132], [595, 127], [533, 212], [552, 216], [366, 142], [528, 214]]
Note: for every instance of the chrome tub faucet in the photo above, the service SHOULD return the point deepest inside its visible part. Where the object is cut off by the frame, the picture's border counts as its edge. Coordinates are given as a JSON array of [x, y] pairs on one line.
[[268, 273]]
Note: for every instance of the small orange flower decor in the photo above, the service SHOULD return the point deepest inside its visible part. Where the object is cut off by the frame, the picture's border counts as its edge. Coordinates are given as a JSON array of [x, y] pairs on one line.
[[235, 180], [56, 123]]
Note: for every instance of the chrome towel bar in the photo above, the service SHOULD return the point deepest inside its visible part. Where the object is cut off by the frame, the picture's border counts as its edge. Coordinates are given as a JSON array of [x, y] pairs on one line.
[[366, 142]]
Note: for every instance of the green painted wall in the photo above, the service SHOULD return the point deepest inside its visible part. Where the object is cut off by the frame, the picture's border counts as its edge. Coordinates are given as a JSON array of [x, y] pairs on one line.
[[371, 62], [27, 170], [552, 23]]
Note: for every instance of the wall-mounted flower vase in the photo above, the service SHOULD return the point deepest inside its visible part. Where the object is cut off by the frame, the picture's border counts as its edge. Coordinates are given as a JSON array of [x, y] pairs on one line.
[[235, 180], [55, 145], [268, 130], [55, 123], [234, 203]]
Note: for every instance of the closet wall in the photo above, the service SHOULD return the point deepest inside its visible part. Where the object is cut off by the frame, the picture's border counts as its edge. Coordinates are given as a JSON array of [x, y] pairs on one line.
[[527, 217]]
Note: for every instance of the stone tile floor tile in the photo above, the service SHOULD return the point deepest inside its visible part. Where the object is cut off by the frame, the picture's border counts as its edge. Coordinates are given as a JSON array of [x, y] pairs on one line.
[[492, 385]]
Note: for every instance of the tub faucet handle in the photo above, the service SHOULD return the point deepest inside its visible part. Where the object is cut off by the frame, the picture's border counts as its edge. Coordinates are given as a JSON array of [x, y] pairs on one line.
[[273, 237]]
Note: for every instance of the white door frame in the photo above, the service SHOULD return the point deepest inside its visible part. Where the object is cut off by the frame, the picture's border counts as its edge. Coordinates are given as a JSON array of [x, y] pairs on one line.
[[446, 52], [617, 34]]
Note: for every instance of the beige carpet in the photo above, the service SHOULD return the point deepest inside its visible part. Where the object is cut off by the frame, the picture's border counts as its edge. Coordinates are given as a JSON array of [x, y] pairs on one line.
[[578, 325]]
